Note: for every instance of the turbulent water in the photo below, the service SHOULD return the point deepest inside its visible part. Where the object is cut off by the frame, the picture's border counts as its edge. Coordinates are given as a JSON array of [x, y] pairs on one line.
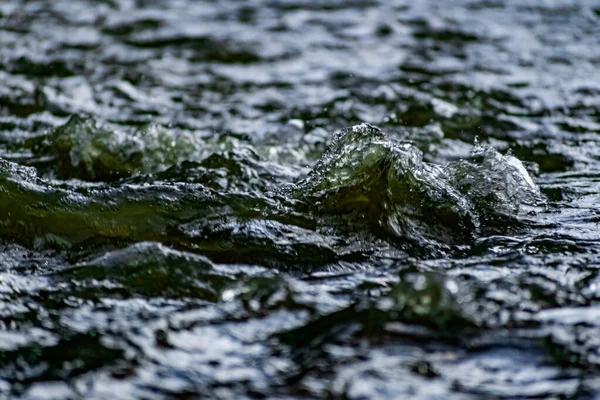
[[353, 199]]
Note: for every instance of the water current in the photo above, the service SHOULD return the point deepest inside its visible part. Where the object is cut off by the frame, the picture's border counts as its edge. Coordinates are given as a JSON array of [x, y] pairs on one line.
[[344, 199]]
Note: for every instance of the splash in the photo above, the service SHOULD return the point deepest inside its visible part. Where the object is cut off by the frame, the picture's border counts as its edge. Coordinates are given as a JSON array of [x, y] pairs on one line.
[[367, 176]]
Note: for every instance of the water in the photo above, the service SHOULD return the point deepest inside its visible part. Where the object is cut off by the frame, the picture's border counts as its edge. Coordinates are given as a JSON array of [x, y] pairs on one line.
[[299, 199]]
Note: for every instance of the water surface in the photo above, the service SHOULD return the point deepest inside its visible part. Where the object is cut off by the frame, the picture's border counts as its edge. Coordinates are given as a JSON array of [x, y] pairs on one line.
[[299, 199]]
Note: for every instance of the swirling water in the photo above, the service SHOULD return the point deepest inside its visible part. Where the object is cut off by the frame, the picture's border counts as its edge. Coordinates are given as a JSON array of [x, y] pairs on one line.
[[299, 199]]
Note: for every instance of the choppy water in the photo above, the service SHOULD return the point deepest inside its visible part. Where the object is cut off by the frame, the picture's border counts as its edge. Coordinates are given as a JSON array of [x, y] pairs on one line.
[[299, 199]]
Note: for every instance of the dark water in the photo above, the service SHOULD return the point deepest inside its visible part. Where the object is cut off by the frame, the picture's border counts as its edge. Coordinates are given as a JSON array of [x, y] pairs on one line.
[[353, 199]]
